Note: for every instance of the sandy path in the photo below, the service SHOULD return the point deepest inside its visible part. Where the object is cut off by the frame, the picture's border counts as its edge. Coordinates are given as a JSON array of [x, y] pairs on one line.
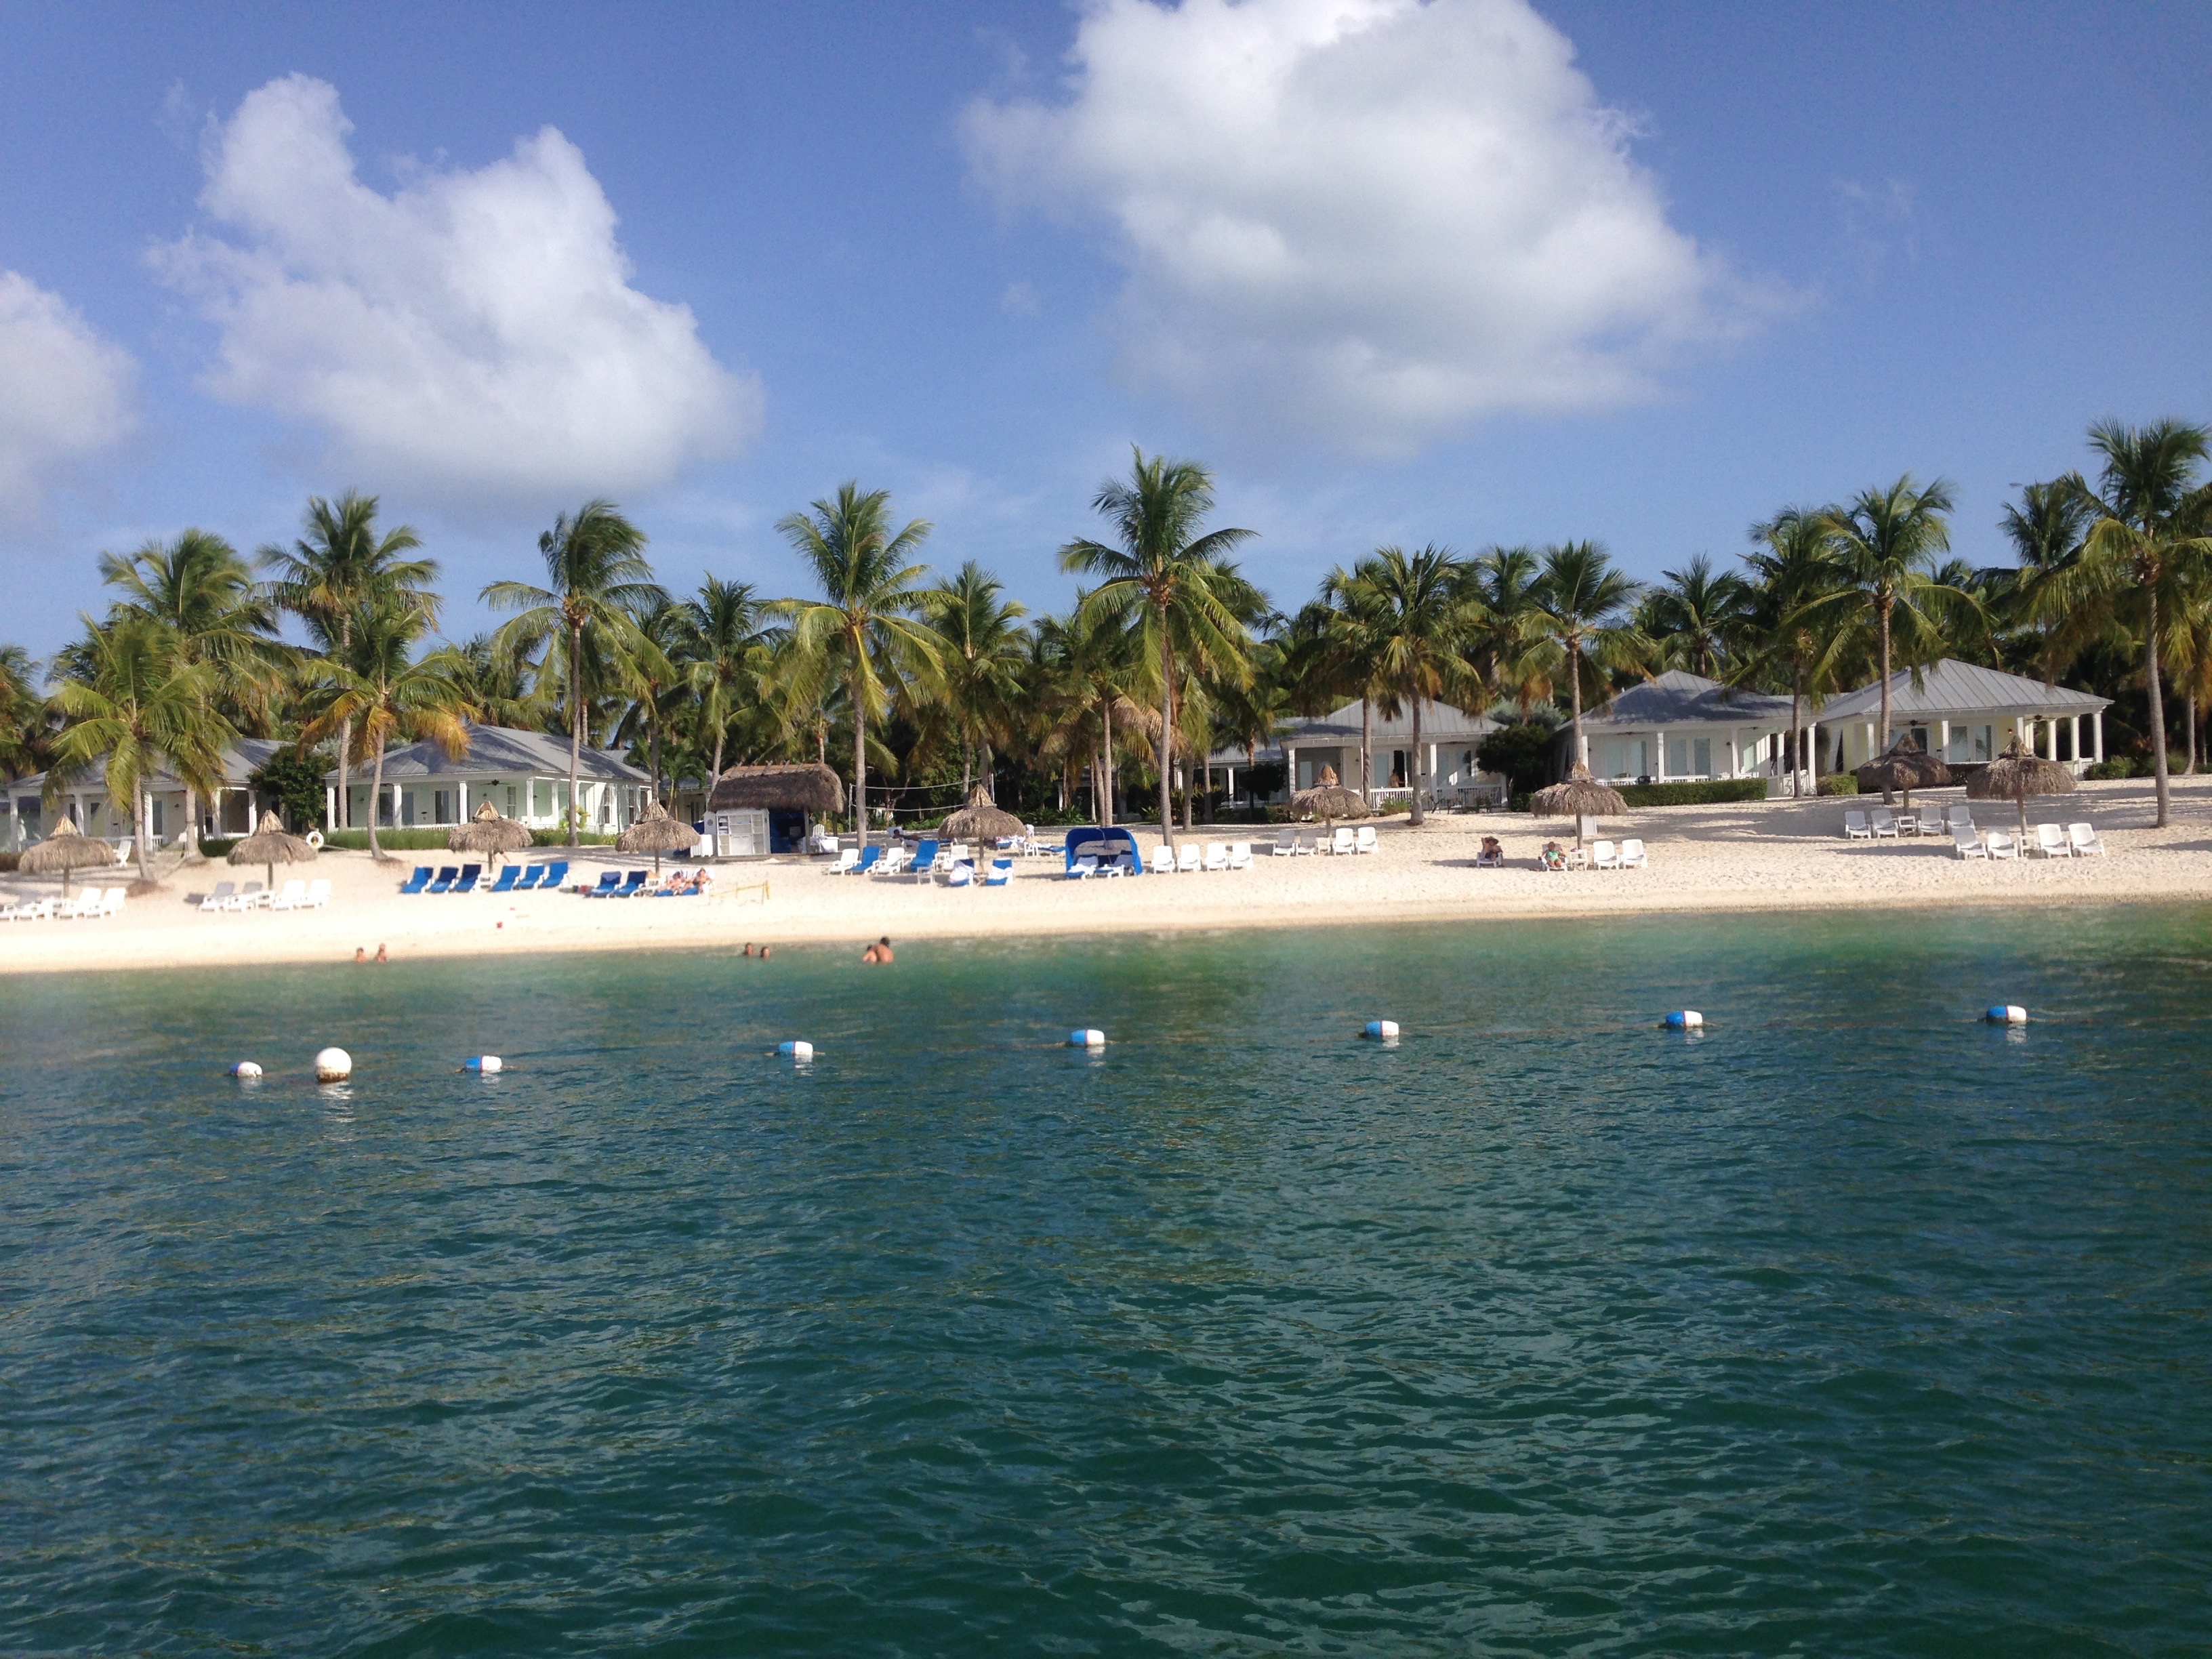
[[1767, 855]]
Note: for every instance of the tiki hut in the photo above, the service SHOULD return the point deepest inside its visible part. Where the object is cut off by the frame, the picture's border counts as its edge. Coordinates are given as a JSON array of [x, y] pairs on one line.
[[489, 833], [657, 833], [2016, 775], [1906, 767], [270, 845], [801, 788], [980, 820], [1329, 800], [1578, 798], [68, 848]]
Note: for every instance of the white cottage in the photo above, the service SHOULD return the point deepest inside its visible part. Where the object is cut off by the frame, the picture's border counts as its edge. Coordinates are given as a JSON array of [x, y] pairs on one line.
[[524, 774], [1964, 714], [1682, 727], [167, 807], [1449, 738]]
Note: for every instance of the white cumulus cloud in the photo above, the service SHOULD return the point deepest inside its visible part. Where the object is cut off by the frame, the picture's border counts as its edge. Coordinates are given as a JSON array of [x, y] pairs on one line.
[[1372, 220], [66, 393], [474, 333]]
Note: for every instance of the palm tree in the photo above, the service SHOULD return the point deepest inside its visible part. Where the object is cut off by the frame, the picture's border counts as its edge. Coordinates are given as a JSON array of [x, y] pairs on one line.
[[1168, 576], [21, 736], [340, 566], [863, 628], [725, 651], [1881, 560], [649, 674], [379, 690], [1417, 611], [1697, 619], [1790, 566], [2149, 544], [985, 652], [141, 707], [1511, 648], [1579, 607], [595, 563], [1342, 648], [1092, 661], [200, 589]]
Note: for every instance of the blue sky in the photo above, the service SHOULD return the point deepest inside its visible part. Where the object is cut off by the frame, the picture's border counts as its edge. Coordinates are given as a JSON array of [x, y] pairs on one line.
[[1464, 273]]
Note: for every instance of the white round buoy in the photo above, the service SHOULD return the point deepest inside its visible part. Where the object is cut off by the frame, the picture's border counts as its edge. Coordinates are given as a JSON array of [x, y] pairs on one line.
[[1086, 1038], [485, 1063], [333, 1065], [246, 1071], [1384, 1029], [1686, 1020], [2007, 1013], [796, 1050]]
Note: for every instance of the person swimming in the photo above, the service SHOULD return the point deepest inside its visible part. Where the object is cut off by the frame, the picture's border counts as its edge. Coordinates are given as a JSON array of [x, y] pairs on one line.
[[878, 952]]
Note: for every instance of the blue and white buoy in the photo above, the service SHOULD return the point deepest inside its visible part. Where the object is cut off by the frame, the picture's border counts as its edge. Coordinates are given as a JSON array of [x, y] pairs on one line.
[[485, 1063], [795, 1050], [2007, 1013], [246, 1071], [1383, 1031], [1685, 1019], [333, 1065], [1087, 1037]]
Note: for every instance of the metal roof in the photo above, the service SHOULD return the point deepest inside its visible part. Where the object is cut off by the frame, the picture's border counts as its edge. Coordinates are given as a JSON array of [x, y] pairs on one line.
[[1951, 688], [495, 751], [1441, 724], [240, 760], [1680, 698]]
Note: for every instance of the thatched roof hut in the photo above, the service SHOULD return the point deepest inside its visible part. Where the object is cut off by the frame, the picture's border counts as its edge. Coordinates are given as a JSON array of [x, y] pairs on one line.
[[1329, 800], [271, 844], [799, 788], [489, 833], [657, 833], [66, 849], [980, 820], [1904, 767], [1578, 798], [2016, 775]]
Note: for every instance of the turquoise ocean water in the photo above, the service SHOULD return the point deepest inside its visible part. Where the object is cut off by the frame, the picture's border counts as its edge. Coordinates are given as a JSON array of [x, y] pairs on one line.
[[1850, 1327]]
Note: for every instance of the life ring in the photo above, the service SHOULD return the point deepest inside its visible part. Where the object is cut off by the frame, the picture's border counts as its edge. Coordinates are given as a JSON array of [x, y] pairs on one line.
[[315, 839]]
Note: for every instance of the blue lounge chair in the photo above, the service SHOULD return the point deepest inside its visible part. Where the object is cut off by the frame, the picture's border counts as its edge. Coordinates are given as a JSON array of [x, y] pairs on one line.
[[867, 861], [528, 874], [1001, 872], [467, 884], [418, 881], [628, 889], [924, 866], [447, 877], [507, 879], [609, 880], [555, 873]]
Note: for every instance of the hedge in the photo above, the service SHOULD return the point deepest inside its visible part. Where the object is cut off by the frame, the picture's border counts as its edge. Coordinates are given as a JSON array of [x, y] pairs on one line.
[[1710, 793], [2119, 766], [1839, 783]]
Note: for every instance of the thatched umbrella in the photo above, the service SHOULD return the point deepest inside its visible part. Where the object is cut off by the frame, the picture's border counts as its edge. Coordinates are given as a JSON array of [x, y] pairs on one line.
[[489, 833], [2016, 775], [657, 833], [1905, 768], [1578, 798], [271, 844], [979, 820], [1329, 800], [68, 848]]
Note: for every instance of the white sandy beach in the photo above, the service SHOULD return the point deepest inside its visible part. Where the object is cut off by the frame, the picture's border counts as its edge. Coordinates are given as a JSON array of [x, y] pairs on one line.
[[1784, 855]]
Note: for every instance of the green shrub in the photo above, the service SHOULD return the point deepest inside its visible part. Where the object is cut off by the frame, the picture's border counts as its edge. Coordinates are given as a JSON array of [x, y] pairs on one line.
[[1839, 783], [1523, 753], [1710, 793], [217, 846], [2119, 766], [294, 783]]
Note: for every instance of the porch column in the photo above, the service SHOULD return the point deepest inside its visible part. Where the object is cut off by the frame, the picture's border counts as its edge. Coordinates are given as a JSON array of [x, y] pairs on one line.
[[2074, 738], [2050, 737], [395, 806], [2097, 731], [1942, 740], [1659, 764], [463, 816], [1230, 772], [330, 807], [252, 811], [1290, 773]]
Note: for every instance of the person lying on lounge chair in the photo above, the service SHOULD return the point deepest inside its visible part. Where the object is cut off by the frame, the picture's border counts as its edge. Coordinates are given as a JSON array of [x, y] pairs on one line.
[[1492, 855], [1554, 856]]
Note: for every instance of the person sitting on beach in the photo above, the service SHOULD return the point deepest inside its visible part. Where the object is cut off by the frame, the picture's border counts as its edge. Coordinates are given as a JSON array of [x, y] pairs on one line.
[[1554, 856], [701, 881], [878, 953], [1492, 855]]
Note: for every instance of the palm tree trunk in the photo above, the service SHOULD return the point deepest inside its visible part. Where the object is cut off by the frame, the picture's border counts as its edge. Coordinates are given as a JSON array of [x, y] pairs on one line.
[[142, 821], [859, 765], [1796, 738], [345, 739], [2157, 703], [575, 727], [1366, 748], [656, 760], [376, 795], [1417, 820], [1882, 611], [1575, 697], [1167, 730], [966, 771], [1106, 730], [2189, 756], [717, 757]]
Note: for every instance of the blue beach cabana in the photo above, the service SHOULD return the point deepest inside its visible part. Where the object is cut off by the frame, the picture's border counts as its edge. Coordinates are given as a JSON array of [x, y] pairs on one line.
[[1104, 843]]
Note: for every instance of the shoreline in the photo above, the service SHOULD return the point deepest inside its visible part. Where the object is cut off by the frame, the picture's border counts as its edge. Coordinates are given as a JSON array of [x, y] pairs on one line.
[[1783, 857]]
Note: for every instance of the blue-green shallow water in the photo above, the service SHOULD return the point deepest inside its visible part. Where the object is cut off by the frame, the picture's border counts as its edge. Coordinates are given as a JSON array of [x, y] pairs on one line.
[[1851, 1327]]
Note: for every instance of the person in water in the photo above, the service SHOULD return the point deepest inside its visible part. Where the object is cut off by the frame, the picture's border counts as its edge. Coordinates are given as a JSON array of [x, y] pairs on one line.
[[879, 952], [361, 956], [381, 955]]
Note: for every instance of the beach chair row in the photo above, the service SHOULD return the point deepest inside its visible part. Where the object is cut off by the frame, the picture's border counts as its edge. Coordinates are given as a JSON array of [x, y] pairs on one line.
[[952, 864], [295, 896], [639, 884], [2050, 840], [1879, 823], [91, 905], [468, 878], [1345, 841]]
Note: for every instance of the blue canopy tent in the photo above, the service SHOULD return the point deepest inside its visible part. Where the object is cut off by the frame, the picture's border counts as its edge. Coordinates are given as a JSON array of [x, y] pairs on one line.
[[1105, 844]]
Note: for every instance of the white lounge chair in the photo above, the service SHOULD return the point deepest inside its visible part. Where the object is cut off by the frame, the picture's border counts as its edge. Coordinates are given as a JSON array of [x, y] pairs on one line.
[[2082, 838], [112, 904], [1160, 862], [1366, 841], [1342, 843], [220, 899], [248, 898], [294, 896], [318, 895], [1603, 855], [843, 863], [1632, 856], [1082, 869], [1240, 855], [1287, 844], [29, 910], [2051, 841], [1959, 817], [1885, 823], [1191, 859], [1216, 855], [2002, 846], [1968, 845], [1855, 826], [893, 860], [1307, 846]]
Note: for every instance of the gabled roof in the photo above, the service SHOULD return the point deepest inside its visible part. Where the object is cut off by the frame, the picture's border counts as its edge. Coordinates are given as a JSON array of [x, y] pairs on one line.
[[1440, 723], [241, 761], [1952, 688], [496, 752], [1678, 697]]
